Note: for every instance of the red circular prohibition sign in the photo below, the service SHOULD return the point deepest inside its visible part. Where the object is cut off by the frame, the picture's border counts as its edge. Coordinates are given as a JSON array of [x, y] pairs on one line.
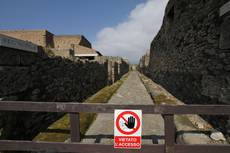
[[134, 129]]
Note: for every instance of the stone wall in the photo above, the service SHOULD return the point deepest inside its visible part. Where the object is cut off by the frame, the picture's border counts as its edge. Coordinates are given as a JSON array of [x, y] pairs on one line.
[[48, 79], [187, 56], [116, 67], [190, 129], [32, 77], [66, 41], [64, 53], [59, 45], [144, 63], [38, 37], [190, 56], [85, 42], [14, 52]]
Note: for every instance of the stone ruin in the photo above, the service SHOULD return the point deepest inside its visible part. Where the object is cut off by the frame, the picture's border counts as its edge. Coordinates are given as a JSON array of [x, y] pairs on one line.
[[190, 56], [27, 73]]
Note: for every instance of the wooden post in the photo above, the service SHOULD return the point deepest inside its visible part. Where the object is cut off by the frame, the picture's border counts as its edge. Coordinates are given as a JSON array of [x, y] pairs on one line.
[[169, 133], [75, 127]]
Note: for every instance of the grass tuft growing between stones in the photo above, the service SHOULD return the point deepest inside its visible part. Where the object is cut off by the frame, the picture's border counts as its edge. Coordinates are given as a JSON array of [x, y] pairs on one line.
[[160, 99], [188, 122], [59, 130], [183, 119]]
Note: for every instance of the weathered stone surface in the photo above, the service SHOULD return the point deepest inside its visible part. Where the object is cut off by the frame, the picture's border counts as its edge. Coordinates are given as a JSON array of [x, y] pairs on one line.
[[144, 63], [13, 80], [10, 42], [14, 57], [48, 79], [40, 37], [116, 67], [188, 45], [132, 92], [217, 136], [225, 34], [225, 9], [186, 57], [193, 138], [191, 129]]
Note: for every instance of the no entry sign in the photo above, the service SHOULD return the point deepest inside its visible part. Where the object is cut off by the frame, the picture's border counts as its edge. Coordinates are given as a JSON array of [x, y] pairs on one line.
[[127, 129]]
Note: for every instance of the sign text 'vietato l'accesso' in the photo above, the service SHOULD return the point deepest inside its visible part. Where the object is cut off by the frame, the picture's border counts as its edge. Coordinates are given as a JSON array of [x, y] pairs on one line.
[[127, 129]]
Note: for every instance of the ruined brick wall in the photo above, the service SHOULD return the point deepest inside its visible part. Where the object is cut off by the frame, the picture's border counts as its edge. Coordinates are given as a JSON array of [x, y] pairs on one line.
[[26, 76], [49, 39], [56, 78], [17, 57], [38, 37], [187, 57], [116, 67], [85, 42], [144, 63], [46, 79], [66, 41]]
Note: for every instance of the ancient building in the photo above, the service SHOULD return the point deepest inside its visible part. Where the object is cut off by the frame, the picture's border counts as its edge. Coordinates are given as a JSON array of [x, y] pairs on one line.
[[81, 47], [83, 52], [40, 37], [65, 41], [190, 56], [26, 75], [16, 52], [67, 46], [116, 67], [144, 63]]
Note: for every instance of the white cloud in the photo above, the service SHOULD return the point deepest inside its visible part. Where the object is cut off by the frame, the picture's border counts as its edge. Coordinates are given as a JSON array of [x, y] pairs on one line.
[[132, 38]]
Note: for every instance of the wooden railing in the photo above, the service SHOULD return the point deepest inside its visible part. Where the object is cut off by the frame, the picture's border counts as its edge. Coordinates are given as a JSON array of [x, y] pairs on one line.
[[74, 109]]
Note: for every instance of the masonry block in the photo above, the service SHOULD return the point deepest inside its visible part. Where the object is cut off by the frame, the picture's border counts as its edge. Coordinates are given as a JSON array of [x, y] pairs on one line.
[[225, 34]]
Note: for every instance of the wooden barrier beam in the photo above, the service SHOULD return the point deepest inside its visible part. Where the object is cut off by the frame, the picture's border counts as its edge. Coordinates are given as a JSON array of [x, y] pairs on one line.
[[9, 145], [107, 108]]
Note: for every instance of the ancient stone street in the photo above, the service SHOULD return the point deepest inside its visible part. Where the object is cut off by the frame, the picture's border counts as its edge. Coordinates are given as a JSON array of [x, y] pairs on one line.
[[131, 92], [153, 76]]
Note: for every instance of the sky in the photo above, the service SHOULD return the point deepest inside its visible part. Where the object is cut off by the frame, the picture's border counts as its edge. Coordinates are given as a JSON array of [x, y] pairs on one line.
[[114, 27]]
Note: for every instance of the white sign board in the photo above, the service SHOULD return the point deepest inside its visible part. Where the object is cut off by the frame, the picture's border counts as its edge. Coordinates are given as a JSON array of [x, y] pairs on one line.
[[127, 129]]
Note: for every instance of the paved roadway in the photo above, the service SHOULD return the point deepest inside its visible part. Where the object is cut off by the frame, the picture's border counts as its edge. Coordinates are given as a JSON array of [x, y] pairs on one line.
[[132, 91]]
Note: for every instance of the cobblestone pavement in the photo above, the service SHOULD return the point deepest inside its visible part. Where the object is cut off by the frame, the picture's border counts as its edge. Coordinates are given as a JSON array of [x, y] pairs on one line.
[[132, 91]]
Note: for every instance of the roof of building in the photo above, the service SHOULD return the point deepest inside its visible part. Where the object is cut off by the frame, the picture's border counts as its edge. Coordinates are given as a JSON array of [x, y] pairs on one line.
[[85, 51], [10, 42], [68, 36], [73, 39], [26, 30]]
